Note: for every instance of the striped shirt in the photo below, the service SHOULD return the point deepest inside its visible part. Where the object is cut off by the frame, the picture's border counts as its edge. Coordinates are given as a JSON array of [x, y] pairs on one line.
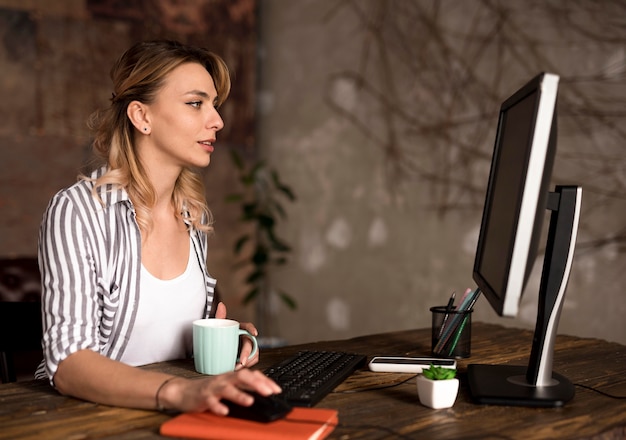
[[90, 264]]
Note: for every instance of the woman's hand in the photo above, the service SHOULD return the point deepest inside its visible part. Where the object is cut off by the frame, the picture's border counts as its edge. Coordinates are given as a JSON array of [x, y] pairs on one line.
[[197, 395], [246, 346]]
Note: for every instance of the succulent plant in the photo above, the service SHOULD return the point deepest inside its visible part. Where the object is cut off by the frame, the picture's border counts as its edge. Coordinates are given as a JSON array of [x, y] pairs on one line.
[[439, 373]]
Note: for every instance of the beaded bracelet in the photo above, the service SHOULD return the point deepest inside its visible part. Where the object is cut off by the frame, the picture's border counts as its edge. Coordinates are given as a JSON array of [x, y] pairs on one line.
[[158, 404]]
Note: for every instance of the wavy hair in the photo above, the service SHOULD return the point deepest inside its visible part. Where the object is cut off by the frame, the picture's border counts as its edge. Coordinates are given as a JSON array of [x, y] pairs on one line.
[[138, 75]]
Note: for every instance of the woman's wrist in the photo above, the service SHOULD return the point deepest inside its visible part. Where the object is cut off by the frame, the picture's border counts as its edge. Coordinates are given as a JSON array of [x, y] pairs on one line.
[[163, 395]]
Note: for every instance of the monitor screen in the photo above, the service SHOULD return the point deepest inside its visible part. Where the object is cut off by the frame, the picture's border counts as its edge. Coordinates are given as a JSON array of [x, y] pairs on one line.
[[516, 193]]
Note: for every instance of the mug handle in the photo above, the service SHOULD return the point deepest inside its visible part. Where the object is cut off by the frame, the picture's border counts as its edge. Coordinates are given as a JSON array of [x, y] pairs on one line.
[[255, 344]]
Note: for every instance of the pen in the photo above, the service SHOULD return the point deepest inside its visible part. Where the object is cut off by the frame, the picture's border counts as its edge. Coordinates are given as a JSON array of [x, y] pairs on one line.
[[469, 308], [451, 302], [449, 308], [457, 336], [465, 297]]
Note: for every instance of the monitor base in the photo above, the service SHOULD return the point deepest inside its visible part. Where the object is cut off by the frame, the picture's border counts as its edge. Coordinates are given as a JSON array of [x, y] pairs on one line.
[[506, 385]]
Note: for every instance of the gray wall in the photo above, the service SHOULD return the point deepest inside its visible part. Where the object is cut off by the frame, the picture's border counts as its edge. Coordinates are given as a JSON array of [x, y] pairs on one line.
[[382, 116]]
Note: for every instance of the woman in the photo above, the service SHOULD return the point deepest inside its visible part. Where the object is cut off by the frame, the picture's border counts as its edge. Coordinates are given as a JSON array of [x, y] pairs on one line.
[[122, 252]]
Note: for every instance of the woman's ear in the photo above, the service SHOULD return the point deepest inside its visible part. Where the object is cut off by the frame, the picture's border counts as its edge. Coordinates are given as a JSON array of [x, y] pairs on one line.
[[137, 113]]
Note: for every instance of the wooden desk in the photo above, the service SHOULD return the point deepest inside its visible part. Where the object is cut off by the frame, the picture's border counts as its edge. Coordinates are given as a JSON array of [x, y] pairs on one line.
[[34, 410]]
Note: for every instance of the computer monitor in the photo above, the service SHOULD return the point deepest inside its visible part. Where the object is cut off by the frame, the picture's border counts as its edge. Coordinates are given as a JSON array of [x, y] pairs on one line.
[[511, 228]]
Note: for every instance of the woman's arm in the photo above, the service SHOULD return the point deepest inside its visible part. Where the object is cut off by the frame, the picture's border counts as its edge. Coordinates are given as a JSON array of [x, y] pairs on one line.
[[96, 378], [69, 282]]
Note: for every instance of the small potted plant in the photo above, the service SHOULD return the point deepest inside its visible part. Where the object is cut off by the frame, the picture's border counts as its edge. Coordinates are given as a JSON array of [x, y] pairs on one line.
[[437, 387]]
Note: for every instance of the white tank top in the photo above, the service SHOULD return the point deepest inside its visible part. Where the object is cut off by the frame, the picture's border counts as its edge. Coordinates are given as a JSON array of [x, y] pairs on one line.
[[162, 329]]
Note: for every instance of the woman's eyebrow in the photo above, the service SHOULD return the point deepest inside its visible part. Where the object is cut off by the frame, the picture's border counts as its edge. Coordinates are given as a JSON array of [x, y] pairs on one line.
[[199, 93]]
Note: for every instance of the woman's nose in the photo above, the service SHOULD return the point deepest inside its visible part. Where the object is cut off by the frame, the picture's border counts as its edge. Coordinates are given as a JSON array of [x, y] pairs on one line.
[[215, 120]]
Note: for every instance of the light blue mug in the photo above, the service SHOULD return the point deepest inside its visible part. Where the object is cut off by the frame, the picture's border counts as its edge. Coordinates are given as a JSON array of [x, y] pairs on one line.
[[216, 343]]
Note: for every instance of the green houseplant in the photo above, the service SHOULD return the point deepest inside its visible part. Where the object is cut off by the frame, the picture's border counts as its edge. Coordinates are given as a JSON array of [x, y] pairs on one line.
[[437, 387], [261, 205], [439, 373]]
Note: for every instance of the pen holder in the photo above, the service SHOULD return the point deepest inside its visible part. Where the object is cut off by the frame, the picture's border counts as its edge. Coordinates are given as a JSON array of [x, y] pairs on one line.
[[451, 332]]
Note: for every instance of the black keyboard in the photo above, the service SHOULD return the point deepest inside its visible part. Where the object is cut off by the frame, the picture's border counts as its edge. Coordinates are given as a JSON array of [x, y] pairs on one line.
[[307, 377]]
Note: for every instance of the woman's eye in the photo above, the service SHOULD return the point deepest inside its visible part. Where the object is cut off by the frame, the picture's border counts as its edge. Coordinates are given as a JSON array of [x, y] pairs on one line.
[[195, 104]]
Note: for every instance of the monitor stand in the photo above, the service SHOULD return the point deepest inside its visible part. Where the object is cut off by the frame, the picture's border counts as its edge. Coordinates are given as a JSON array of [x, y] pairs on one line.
[[537, 384]]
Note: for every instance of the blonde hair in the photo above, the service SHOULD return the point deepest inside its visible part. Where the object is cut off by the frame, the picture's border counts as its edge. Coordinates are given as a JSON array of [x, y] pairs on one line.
[[138, 75]]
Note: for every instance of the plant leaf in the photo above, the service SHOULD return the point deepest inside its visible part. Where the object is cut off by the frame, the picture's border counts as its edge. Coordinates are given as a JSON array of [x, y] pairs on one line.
[[239, 244], [254, 276], [278, 244], [251, 295], [280, 261], [288, 300], [260, 257], [234, 198], [280, 210], [287, 192], [237, 160], [266, 221]]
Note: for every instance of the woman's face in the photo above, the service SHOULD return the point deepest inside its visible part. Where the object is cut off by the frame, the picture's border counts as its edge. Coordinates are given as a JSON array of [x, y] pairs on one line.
[[183, 120]]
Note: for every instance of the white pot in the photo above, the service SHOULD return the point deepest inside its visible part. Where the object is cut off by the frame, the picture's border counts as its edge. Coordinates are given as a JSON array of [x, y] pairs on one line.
[[437, 393]]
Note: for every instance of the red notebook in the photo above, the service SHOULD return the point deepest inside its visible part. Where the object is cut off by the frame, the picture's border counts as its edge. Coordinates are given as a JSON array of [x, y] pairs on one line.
[[300, 423]]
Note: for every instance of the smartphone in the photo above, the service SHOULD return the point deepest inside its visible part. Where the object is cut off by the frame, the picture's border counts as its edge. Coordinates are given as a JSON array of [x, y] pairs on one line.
[[399, 364]]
